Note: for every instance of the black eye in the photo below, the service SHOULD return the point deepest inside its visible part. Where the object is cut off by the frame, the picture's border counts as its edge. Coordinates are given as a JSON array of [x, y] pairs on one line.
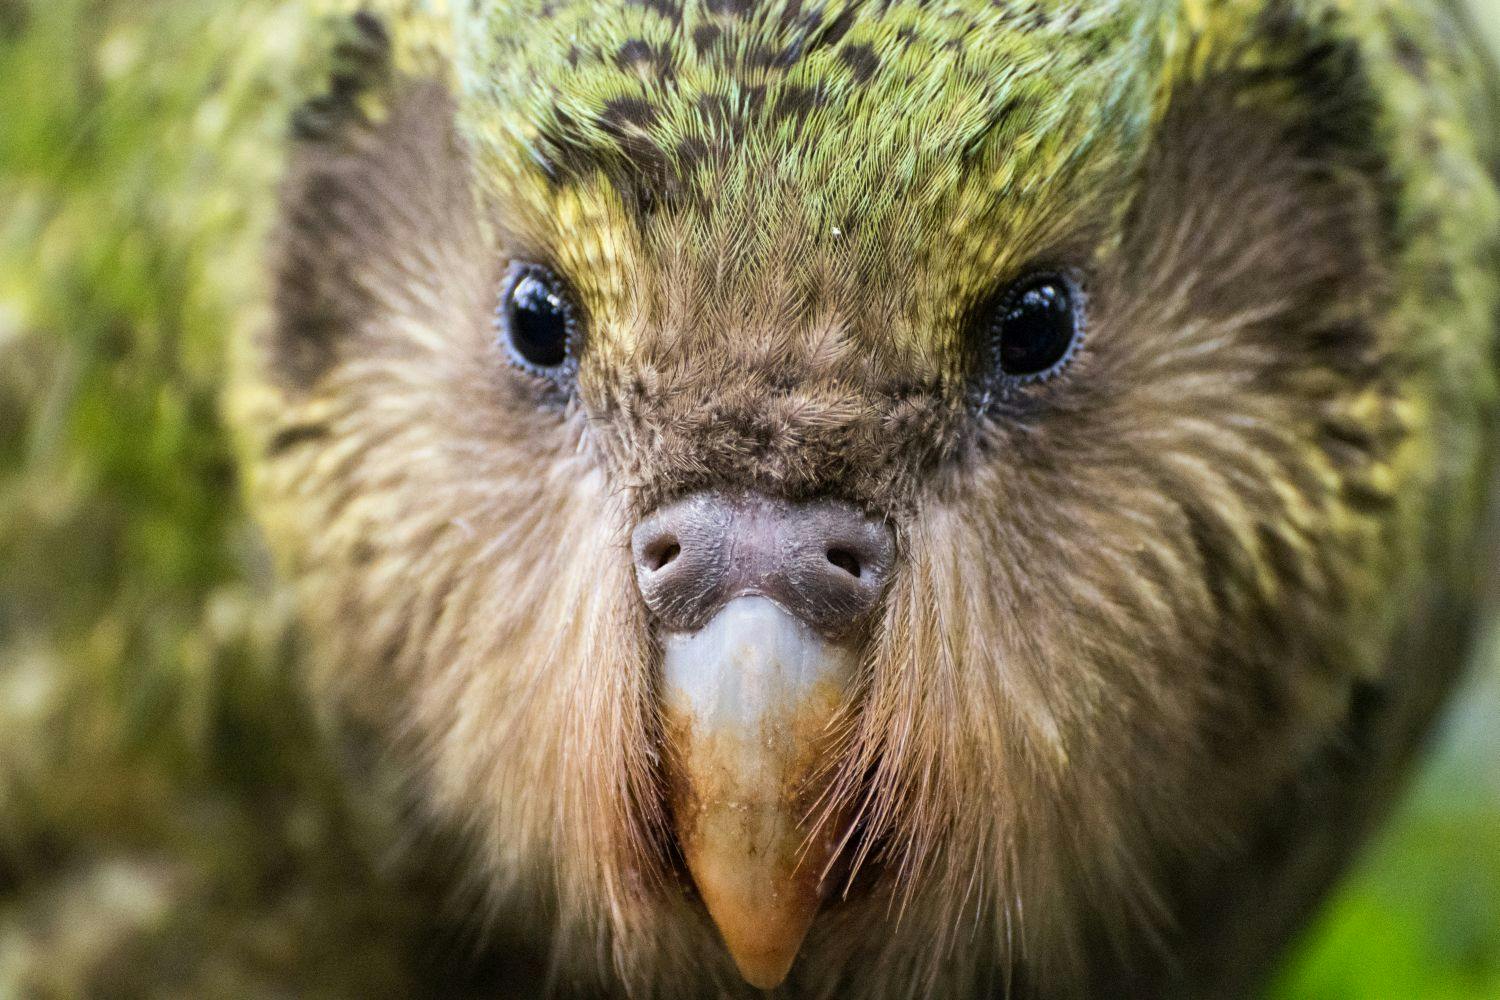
[[536, 320], [1037, 326]]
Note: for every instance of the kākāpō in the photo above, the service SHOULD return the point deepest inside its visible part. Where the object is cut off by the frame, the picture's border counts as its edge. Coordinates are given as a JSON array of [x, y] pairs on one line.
[[888, 499]]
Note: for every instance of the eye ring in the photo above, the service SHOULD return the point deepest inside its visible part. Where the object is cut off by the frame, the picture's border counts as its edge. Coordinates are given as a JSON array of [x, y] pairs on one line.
[[1035, 327], [536, 321]]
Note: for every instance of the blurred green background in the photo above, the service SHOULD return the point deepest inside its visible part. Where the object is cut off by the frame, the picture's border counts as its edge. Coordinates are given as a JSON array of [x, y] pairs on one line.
[[149, 714]]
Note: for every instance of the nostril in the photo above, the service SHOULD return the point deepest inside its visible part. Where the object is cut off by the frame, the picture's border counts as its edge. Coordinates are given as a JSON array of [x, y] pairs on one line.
[[846, 561], [660, 553]]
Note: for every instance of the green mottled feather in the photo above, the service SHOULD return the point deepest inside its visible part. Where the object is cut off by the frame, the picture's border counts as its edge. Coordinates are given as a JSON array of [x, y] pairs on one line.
[[169, 826]]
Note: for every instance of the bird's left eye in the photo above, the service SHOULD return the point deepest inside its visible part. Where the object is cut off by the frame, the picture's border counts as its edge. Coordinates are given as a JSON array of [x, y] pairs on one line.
[[536, 320], [1036, 326]]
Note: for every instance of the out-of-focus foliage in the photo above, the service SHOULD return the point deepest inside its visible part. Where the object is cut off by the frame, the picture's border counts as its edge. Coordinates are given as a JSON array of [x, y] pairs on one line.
[[1419, 919], [162, 787], [165, 816]]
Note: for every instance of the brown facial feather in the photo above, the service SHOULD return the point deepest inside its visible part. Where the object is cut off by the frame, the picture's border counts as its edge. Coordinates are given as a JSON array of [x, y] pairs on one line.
[[1131, 601], [1135, 601]]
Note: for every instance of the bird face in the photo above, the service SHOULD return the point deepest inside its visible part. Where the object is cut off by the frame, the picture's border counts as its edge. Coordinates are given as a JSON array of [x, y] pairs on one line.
[[890, 486]]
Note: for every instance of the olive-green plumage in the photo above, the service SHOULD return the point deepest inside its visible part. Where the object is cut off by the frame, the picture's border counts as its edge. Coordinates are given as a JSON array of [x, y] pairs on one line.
[[783, 224], [1166, 624]]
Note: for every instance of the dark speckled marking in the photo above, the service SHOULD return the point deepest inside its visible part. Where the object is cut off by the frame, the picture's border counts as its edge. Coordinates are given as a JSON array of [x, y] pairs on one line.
[[691, 152], [1366, 498], [361, 64], [644, 172], [290, 437], [637, 53], [861, 60], [733, 8], [621, 112], [705, 36], [566, 156], [795, 103], [719, 111], [622, 118], [836, 29], [791, 12], [1035, 18], [633, 51], [665, 8], [621, 140], [1411, 57], [549, 168], [765, 57]]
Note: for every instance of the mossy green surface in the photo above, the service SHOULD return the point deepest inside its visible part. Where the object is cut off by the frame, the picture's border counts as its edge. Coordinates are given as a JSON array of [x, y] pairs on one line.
[[170, 823]]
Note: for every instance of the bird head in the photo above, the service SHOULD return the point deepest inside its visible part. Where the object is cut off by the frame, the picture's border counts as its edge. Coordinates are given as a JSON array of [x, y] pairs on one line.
[[885, 483]]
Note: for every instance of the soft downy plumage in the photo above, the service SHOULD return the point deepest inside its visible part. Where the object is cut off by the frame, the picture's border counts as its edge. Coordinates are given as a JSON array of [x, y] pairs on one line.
[[1161, 629]]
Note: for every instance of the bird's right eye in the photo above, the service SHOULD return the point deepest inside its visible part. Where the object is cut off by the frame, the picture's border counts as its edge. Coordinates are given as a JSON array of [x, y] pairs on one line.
[[536, 320]]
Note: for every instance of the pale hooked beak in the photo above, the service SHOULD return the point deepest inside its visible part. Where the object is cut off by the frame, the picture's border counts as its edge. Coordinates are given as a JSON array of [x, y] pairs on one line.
[[751, 702]]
